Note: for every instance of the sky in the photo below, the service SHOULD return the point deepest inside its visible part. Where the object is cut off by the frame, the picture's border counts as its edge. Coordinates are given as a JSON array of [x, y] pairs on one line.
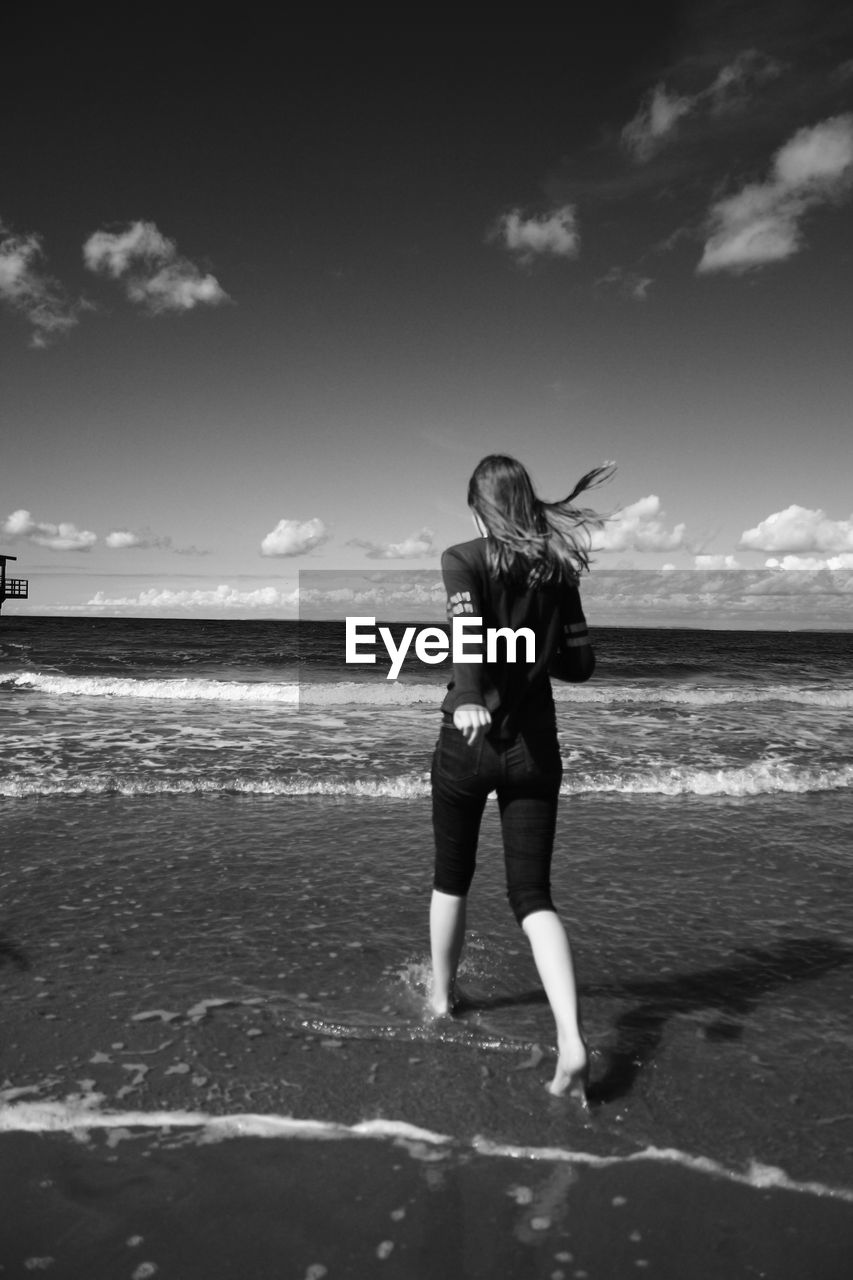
[[268, 294]]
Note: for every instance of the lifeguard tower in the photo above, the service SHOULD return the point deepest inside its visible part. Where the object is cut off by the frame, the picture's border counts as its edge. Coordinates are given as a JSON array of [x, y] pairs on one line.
[[11, 588]]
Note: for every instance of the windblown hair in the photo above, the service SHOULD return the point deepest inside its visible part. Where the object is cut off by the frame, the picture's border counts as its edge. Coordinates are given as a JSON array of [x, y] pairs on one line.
[[531, 541]]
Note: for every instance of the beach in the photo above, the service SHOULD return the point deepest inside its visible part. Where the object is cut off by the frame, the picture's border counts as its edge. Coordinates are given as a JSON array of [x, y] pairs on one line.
[[214, 960]]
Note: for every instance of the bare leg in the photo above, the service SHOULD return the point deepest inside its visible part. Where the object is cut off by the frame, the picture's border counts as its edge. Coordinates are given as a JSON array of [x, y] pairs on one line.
[[447, 937], [553, 957]]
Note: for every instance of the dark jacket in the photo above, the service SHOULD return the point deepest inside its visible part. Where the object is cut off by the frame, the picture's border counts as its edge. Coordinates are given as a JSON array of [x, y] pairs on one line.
[[518, 694]]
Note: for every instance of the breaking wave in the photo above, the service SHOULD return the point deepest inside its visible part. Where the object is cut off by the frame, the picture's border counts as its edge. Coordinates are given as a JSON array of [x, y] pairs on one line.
[[402, 693], [761, 778]]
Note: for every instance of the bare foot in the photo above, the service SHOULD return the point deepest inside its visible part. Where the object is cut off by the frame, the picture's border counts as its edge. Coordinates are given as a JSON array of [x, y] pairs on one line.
[[571, 1076]]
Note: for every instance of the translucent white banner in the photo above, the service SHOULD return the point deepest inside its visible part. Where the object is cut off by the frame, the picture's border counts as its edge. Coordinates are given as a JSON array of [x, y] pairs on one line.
[[728, 599]]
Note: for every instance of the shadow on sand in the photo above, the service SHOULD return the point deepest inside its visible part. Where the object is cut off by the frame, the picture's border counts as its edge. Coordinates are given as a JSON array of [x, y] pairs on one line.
[[732, 990]]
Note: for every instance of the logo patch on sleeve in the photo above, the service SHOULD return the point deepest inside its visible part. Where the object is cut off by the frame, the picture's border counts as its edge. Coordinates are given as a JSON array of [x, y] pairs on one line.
[[459, 603]]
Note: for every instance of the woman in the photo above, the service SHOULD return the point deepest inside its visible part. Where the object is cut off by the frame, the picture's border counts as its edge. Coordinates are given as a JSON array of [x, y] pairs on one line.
[[499, 731]]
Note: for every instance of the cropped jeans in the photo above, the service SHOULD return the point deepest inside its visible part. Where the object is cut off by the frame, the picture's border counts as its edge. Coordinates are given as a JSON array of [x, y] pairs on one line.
[[525, 771]]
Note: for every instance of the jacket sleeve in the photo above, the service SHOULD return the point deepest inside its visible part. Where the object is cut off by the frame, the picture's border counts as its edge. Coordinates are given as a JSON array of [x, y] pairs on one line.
[[464, 599], [573, 660]]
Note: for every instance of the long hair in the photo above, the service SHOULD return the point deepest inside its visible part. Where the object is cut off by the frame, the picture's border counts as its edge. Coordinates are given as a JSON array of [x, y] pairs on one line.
[[531, 541]]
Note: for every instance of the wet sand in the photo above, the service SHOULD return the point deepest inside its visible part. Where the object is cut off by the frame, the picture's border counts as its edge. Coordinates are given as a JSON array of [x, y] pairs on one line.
[[132, 1203]]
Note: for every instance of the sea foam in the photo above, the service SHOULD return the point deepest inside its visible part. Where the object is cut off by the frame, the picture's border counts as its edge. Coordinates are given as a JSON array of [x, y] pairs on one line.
[[408, 693], [82, 1113], [760, 778]]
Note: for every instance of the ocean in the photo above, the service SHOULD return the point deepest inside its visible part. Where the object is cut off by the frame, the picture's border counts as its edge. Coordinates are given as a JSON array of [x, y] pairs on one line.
[[215, 875]]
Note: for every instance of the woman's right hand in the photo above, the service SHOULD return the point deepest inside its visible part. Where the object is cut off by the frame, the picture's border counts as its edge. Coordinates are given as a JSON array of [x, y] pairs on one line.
[[472, 721]]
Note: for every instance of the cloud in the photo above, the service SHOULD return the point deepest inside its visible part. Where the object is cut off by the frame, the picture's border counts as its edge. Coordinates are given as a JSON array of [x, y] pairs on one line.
[[733, 84], [762, 223], [656, 119], [658, 116], [417, 544], [842, 561], [766, 598], [128, 540], [154, 274], [391, 594], [715, 562], [28, 290], [20, 525], [118, 253], [639, 527], [798, 530], [122, 539], [553, 234], [164, 600], [628, 283], [294, 538], [817, 158]]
